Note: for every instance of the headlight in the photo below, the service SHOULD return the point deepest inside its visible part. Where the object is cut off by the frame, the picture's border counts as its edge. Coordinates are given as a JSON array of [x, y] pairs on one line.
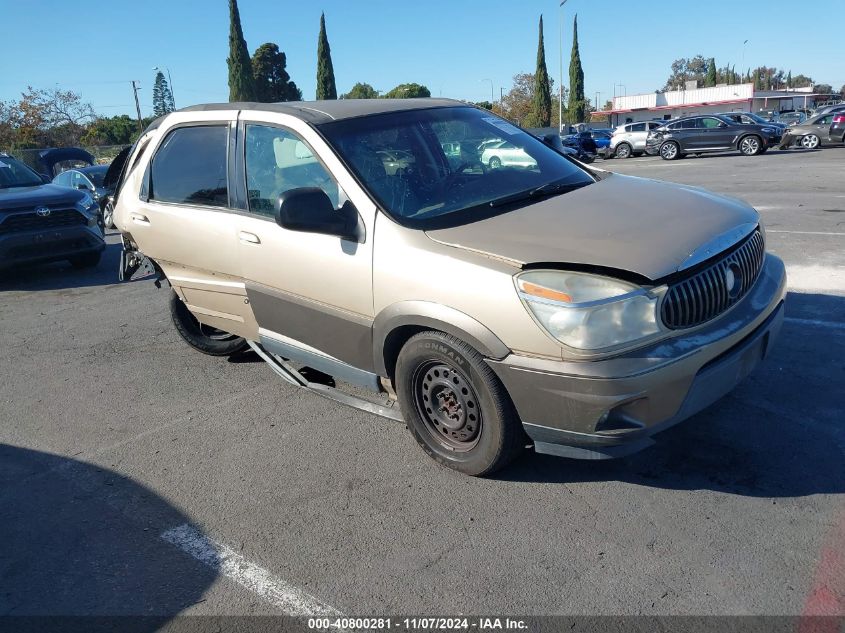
[[589, 312]]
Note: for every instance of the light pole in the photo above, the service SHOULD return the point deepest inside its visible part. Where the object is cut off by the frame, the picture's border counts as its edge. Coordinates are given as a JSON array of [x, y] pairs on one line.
[[169, 82], [743, 56], [598, 100], [492, 98], [560, 77]]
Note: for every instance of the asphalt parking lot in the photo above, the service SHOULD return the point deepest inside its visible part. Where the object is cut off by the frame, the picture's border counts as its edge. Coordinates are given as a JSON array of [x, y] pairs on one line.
[[129, 462]]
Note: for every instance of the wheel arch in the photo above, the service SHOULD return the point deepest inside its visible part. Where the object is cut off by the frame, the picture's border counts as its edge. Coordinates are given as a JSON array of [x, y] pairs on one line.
[[398, 322], [745, 135]]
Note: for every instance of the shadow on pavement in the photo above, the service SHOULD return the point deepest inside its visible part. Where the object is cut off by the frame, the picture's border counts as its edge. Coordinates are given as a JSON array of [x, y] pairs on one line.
[[80, 540], [779, 434], [61, 275]]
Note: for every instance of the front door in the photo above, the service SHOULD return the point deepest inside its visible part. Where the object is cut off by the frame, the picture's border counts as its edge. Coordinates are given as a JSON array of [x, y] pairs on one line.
[[715, 133], [310, 293], [184, 222]]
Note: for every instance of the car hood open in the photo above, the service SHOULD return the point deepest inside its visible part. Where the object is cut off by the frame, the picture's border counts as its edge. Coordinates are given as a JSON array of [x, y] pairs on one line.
[[647, 227]]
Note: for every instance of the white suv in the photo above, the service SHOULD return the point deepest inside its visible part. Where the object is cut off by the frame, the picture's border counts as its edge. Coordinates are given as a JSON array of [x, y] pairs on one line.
[[629, 139]]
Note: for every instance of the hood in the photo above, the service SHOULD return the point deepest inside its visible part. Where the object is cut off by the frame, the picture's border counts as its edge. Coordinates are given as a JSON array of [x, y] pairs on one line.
[[647, 227], [46, 195], [48, 158]]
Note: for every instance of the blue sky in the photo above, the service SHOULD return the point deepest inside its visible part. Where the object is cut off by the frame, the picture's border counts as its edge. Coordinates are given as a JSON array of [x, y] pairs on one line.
[[452, 46]]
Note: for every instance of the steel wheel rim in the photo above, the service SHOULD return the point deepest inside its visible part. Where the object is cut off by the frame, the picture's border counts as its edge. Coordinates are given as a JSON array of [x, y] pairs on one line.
[[810, 141], [750, 145], [448, 406], [668, 151]]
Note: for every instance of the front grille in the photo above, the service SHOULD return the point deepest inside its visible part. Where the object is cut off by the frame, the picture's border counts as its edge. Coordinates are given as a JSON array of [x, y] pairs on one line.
[[32, 222], [709, 292]]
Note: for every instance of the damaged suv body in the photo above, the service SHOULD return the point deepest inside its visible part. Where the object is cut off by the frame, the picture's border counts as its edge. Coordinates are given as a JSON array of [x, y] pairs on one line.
[[546, 303]]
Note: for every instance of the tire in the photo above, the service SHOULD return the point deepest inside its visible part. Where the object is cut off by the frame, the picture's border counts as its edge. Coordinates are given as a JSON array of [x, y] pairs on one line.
[[670, 151], [494, 163], [623, 150], [476, 429], [88, 260], [750, 145], [108, 215], [203, 338], [810, 141]]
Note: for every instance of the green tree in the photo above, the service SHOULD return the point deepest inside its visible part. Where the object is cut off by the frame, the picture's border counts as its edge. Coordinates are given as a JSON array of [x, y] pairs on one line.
[[824, 89], [272, 82], [408, 91], [789, 80], [542, 110], [162, 96], [710, 79], [326, 88], [241, 80], [577, 103], [517, 104], [361, 91]]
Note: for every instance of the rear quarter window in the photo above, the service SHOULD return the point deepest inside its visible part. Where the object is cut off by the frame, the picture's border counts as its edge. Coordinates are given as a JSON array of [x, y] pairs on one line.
[[190, 167]]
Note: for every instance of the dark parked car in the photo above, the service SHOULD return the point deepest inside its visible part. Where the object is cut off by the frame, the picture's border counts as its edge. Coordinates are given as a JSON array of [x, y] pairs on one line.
[[711, 133], [90, 179], [52, 162], [837, 128], [752, 119], [41, 221]]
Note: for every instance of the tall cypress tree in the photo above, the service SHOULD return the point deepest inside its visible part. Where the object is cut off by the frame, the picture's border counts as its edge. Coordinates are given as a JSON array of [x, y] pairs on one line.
[[710, 79], [326, 88], [542, 89], [577, 103], [241, 81]]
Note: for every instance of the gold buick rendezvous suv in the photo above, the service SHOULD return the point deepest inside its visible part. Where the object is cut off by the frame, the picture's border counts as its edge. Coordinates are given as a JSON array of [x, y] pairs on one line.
[[536, 302]]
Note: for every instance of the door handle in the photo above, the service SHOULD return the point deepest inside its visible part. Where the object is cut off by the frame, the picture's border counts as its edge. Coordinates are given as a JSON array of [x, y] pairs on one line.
[[248, 238], [139, 218]]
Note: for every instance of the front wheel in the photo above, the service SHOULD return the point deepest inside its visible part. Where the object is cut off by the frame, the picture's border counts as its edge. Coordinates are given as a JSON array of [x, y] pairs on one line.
[[750, 146], [810, 141], [108, 215], [455, 406], [203, 338], [495, 163]]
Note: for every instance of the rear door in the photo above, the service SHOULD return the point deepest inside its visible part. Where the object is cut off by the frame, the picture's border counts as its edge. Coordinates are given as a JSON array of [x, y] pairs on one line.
[[184, 220], [637, 136], [822, 127]]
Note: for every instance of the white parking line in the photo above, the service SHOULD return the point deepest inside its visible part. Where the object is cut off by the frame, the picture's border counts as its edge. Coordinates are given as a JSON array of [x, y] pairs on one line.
[[815, 278], [833, 325], [803, 232], [284, 596]]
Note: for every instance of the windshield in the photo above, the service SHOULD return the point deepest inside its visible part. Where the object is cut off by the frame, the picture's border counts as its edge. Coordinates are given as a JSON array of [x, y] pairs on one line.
[[449, 166], [15, 174]]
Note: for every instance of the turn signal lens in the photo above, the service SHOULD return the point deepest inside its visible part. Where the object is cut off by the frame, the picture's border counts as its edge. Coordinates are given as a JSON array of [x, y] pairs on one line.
[[545, 293]]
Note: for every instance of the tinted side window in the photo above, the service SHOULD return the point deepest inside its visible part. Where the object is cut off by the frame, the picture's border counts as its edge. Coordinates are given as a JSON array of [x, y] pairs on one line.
[[710, 123], [689, 124], [190, 167], [638, 127], [277, 161]]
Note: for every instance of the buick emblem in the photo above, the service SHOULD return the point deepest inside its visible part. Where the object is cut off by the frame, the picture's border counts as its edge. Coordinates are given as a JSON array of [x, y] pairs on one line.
[[42, 212], [733, 280]]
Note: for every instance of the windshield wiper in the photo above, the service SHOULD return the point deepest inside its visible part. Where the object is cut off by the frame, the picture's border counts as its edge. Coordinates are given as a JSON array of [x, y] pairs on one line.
[[549, 189]]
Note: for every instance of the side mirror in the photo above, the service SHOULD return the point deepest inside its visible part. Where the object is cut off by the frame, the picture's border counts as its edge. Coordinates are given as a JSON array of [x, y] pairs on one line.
[[309, 209]]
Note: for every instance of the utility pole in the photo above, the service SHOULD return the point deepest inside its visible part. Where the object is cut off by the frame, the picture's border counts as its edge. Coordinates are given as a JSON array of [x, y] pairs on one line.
[[137, 106], [560, 77]]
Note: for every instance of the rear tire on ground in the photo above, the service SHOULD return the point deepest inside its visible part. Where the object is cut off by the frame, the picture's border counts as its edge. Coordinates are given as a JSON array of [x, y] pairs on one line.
[[455, 406], [670, 151], [88, 260], [623, 150], [750, 145], [203, 338]]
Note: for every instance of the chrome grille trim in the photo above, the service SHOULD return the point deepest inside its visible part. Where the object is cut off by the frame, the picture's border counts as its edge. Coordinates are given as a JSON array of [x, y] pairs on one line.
[[705, 295]]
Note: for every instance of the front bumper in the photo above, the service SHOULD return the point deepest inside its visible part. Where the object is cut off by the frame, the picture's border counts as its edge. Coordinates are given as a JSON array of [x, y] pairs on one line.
[[612, 407], [32, 247]]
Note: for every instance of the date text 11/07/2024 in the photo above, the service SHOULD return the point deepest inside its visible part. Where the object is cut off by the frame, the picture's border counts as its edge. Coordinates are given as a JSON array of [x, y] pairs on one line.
[[417, 624]]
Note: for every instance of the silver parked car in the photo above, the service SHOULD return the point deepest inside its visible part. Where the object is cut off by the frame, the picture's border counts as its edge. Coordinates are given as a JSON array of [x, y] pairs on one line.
[[545, 304], [630, 139], [814, 132]]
